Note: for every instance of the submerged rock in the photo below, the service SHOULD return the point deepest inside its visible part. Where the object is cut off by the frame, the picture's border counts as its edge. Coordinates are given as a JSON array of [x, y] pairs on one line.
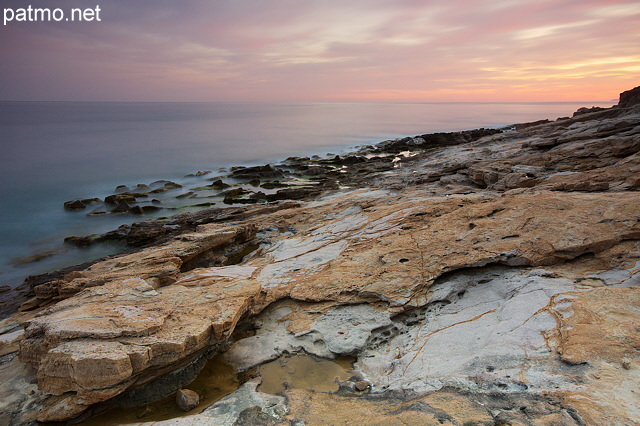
[[219, 184], [80, 204], [187, 399], [257, 172]]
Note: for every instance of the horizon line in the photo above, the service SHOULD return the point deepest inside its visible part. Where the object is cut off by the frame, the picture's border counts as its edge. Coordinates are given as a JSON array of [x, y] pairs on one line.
[[308, 102]]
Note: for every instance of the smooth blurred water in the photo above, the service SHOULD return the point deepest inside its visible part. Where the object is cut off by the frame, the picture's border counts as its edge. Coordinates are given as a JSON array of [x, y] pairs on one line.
[[51, 152]]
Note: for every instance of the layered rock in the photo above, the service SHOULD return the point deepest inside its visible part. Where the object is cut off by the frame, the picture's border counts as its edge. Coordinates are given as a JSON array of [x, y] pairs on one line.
[[499, 270]]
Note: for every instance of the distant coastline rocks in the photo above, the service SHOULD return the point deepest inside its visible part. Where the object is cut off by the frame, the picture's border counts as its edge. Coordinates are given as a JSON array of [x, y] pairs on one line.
[[629, 98]]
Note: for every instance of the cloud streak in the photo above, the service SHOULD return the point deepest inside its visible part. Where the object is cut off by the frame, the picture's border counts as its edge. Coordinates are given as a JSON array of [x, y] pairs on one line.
[[292, 50]]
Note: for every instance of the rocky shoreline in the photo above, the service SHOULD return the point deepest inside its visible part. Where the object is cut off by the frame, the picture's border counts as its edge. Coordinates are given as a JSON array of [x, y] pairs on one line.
[[488, 276]]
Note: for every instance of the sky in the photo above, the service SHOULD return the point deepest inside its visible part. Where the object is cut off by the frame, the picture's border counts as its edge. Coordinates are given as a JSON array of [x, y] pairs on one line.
[[323, 50]]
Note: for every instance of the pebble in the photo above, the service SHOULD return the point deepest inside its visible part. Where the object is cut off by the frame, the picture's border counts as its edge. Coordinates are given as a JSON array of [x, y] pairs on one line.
[[362, 385], [187, 399]]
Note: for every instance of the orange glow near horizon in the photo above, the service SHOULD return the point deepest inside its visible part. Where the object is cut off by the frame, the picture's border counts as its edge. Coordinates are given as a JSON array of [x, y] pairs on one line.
[[363, 50]]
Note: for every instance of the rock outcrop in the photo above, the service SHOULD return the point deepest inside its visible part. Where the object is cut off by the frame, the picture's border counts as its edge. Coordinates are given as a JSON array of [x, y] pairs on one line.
[[629, 98], [496, 271]]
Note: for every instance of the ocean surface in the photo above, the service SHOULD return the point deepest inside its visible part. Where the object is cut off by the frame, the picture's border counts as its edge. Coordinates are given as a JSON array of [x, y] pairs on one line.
[[51, 152]]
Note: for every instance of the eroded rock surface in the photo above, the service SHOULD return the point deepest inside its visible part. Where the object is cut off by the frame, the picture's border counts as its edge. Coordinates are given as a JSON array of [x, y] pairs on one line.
[[496, 271]]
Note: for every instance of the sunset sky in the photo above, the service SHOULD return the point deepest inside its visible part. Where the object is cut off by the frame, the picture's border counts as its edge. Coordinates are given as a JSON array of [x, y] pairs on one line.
[[325, 50]]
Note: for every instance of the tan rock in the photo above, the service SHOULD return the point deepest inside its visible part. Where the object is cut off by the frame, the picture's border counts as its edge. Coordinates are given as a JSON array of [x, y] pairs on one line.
[[392, 253], [600, 326], [362, 385]]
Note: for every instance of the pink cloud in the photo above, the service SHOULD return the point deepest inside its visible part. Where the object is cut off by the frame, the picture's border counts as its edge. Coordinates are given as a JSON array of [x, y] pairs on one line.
[[318, 50]]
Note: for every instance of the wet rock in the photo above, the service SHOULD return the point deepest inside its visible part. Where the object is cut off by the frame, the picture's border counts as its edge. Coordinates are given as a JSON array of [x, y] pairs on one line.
[[80, 204], [362, 385], [37, 257], [297, 160], [234, 195], [258, 195], [122, 188], [187, 399], [74, 205], [257, 172], [83, 241], [198, 174], [158, 190], [122, 207], [167, 186], [219, 184], [119, 198], [141, 233], [202, 205], [334, 161], [273, 185], [316, 170], [144, 209]]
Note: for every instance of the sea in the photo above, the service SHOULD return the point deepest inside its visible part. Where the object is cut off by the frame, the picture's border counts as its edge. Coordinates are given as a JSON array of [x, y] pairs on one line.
[[52, 152]]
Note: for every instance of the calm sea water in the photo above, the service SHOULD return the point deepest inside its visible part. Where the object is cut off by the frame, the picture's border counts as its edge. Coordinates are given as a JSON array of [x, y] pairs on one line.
[[57, 151]]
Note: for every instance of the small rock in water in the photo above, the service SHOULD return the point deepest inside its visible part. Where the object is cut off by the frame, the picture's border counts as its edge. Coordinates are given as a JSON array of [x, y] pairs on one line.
[[187, 399], [123, 207], [143, 412], [218, 184], [80, 204], [74, 205], [362, 385]]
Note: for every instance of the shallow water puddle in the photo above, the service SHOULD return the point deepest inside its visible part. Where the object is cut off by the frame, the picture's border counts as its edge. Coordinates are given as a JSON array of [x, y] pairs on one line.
[[303, 371], [216, 380]]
